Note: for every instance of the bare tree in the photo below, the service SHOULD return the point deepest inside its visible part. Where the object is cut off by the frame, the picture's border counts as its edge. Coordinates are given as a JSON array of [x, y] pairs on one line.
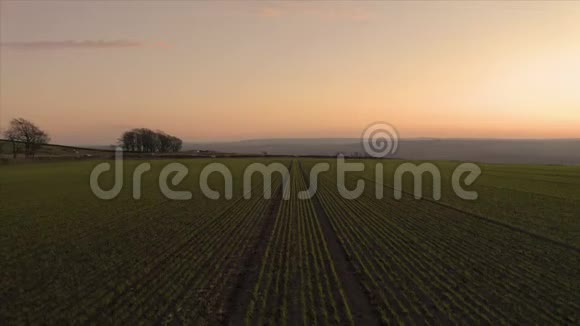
[[24, 131], [147, 140], [12, 136], [176, 144], [129, 140], [164, 142]]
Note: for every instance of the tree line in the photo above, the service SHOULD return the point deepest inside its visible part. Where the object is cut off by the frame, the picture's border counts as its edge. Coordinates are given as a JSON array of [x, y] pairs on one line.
[[149, 141], [22, 131]]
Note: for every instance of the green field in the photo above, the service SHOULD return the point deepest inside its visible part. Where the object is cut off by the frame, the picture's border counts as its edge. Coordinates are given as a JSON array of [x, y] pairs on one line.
[[512, 256]]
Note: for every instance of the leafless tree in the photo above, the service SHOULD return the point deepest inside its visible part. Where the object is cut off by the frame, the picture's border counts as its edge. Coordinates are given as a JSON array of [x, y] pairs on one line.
[[147, 140], [26, 132]]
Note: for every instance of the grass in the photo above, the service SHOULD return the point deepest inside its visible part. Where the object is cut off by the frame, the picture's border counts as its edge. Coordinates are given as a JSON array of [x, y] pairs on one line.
[[66, 255], [423, 260], [543, 199], [62, 248]]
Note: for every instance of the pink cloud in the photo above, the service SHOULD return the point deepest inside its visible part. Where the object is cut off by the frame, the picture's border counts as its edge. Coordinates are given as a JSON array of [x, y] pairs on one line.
[[85, 44]]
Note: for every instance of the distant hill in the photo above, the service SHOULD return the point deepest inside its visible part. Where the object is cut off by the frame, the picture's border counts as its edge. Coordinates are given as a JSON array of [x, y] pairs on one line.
[[535, 151]]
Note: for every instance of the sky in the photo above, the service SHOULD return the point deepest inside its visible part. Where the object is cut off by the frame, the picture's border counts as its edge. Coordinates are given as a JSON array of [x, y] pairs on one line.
[[86, 71]]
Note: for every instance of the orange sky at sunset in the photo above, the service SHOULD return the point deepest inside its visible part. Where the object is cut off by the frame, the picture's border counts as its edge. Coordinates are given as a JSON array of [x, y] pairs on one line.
[[86, 71]]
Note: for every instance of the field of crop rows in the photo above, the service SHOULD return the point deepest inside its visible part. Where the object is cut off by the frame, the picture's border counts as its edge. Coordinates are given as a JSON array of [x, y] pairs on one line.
[[68, 257], [417, 259]]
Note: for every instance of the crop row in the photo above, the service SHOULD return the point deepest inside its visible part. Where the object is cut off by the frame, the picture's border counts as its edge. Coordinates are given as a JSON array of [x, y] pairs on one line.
[[542, 268], [297, 281], [170, 255], [540, 199], [420, 261], [191, 284]]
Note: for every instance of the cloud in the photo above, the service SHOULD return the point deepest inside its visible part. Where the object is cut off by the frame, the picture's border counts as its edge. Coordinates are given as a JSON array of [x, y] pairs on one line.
[[85, 44]]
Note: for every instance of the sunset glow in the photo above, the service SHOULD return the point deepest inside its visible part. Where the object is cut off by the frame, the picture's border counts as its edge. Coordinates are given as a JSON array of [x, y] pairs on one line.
[[86, 71]]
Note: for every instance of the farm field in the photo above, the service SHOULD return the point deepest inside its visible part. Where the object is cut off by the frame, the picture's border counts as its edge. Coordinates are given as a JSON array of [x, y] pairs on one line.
[[510, 257], [543, 199]]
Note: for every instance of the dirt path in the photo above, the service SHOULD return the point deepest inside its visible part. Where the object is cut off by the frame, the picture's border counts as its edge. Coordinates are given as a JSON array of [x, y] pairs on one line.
[[241, 295], [362, 310]]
